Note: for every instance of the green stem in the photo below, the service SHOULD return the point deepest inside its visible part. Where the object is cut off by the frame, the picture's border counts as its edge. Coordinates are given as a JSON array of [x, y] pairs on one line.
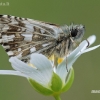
[[57, 97]]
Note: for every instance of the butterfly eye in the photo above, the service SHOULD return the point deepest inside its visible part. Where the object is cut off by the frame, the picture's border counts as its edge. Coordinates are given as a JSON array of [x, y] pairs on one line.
[[74, 32]]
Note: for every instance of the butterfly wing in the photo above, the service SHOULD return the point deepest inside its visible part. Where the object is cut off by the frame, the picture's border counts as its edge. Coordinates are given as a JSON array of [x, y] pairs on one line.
[[20, 36]]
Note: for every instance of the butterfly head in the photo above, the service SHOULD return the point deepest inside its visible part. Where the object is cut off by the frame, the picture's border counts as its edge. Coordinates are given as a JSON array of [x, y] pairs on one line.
[[75, 31]]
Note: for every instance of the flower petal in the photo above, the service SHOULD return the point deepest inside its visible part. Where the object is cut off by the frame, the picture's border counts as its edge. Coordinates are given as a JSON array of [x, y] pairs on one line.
[[42, 74], [12, 72], [61, 71], [91, 39], [71, 58], [69, 81], [40, 61], [20, 66], [90, 49], [43, 65], [24, 68]]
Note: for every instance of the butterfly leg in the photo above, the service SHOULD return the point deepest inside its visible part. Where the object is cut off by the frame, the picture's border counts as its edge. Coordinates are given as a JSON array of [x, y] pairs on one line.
[[73, 41], [55, 60], [66, 65]]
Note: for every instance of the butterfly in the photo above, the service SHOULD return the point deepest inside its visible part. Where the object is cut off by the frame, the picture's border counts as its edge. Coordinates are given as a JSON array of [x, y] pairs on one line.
[[21, 37]]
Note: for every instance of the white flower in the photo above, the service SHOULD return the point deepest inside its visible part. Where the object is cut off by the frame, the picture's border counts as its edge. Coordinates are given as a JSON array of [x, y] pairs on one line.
[[43, 77]]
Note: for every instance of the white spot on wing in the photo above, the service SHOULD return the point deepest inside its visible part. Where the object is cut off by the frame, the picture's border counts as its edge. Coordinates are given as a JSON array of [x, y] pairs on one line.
[[6, 39], [10, 53], [32, 49], [42, 31], [19, 56], [27, 37], [46, 44], [6, 47], [19, 49], [5, 16], [0, 40], [30, 27], [12, 16]]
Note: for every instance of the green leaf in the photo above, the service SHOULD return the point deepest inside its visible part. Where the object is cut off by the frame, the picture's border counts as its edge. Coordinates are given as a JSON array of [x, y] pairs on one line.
[[39, 88], [69, 80], [56, 83]]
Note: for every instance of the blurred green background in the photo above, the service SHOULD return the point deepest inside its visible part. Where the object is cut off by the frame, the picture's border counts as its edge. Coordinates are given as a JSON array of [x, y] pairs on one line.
[[87, 67]]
